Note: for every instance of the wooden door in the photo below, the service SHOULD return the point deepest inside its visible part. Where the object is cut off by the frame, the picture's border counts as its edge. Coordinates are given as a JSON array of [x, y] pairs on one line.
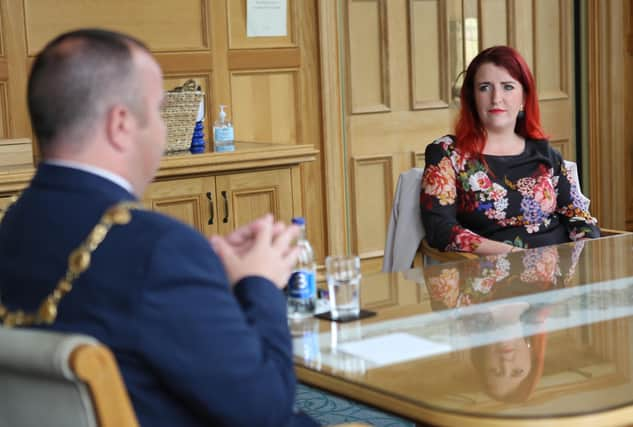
[[243, 197], [401, 62], [191, 200]]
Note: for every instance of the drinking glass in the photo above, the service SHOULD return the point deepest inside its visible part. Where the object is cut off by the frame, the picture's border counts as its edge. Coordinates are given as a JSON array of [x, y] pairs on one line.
[[343, 280]]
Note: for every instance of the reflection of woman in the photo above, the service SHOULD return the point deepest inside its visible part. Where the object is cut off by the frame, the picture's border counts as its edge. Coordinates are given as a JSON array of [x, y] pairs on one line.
[[509, 369], [501, 276], [498, 184]]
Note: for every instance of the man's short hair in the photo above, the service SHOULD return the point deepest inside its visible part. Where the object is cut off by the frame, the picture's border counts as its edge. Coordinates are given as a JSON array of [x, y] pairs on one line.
[[77, 78]]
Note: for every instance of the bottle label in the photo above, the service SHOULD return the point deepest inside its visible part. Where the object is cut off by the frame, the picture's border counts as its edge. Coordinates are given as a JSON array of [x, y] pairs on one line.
[[224, 134], [302, 284], [224, 148]]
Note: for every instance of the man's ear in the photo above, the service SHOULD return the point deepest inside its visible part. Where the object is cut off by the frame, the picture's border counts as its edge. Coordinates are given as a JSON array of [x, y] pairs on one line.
[[120, 127]]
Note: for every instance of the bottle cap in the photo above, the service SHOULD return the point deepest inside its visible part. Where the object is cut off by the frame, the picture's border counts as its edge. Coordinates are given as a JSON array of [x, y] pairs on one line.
[[298, 220]]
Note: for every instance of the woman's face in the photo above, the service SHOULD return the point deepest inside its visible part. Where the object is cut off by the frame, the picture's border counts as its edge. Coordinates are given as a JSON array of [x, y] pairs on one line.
[[499, 98], [506, 365]]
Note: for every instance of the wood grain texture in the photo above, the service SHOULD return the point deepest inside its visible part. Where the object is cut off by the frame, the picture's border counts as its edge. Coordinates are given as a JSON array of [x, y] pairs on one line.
[[150, 20], [96, 366], [628, 111], [368, 56], [332, 113], [429, 39], [607, 138]]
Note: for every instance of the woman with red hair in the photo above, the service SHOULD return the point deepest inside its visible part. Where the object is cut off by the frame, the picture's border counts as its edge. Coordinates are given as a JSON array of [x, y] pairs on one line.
[[497, 185]]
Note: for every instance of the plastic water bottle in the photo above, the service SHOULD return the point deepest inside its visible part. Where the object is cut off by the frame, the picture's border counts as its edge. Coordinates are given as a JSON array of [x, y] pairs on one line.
[[305, 334], [302, 282], [223, 135]]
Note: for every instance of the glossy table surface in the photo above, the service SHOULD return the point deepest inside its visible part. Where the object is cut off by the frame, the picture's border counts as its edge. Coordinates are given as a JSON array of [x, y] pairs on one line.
[[532, 337]]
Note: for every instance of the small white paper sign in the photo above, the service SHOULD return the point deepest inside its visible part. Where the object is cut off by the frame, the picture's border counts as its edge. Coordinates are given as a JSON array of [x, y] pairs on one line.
[[266, 18], [393, 348]]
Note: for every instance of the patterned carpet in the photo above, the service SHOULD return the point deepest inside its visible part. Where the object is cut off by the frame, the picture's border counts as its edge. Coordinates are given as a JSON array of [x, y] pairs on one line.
[[329, 410]]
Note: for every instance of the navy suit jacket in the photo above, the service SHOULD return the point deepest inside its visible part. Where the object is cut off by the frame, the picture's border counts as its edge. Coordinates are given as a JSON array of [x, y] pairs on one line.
[[192, 351]]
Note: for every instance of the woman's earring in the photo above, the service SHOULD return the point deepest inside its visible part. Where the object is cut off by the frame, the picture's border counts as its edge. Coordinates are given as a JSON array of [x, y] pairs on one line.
[[521, 114]]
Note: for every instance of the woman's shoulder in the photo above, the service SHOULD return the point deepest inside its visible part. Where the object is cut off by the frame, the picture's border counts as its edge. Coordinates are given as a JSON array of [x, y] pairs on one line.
[[543, 146], [444, 145]]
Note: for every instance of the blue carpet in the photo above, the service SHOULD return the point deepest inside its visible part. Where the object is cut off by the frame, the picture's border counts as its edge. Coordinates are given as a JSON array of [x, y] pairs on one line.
[[328, 409]]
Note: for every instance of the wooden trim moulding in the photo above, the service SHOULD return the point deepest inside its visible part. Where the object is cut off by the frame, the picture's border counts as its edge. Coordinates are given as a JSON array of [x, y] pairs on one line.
[[251, 157], [249, 59], [333, 127], [4, 69], [424, 415], [185, 62]]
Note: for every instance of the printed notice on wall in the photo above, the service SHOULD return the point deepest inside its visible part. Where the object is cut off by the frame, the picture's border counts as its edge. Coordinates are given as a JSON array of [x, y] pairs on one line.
[[266, 18]]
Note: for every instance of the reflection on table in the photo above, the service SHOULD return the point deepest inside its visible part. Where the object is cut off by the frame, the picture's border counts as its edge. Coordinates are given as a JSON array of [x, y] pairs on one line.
[[543, 333]]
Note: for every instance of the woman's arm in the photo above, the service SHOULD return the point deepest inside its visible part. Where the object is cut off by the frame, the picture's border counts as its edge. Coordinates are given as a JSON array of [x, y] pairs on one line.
[[492, 247], [438, 203], [572, 207]]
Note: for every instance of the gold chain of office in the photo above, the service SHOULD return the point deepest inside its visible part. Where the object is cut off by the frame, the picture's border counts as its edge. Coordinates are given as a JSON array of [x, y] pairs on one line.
[[78, 262]]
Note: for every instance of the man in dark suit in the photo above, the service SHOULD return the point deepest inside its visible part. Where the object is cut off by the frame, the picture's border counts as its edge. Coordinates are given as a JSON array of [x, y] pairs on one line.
[[200, 334]]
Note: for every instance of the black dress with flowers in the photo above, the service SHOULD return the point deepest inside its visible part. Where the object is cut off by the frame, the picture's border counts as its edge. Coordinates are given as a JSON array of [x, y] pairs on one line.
[[527, 200]]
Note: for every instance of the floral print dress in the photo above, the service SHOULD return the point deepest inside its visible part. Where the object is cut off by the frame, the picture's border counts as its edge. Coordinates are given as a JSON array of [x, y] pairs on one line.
[[526, 200]]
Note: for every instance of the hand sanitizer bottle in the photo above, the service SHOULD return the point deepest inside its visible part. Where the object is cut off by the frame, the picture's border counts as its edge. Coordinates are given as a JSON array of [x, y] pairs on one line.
[[223, 133]]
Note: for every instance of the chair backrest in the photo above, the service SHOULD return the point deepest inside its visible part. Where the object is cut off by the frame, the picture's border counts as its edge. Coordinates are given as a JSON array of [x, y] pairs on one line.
[[60, 380], [405, 230]]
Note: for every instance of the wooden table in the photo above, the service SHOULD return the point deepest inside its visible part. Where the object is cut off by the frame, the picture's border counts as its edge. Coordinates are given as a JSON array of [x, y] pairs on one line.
[[534, 338]]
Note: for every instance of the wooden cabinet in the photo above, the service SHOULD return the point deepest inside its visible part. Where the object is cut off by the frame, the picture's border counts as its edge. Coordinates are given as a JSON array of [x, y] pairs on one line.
[[214, 192], [242, 197], [190, 200], [215, 195], [222, 203]]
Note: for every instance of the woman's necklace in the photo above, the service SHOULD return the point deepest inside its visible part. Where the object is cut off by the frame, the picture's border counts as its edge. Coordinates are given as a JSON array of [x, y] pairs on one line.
[[78, 262]]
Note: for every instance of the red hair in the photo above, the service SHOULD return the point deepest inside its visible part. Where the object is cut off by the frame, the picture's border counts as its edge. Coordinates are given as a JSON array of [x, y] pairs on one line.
[[469, 131]]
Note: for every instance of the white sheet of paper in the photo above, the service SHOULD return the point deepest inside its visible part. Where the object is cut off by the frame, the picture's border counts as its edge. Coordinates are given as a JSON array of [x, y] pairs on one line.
[[266, 18], [393, 348]]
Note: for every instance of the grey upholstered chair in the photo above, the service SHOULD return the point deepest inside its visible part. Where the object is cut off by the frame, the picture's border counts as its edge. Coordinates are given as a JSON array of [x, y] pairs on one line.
[[60, 380]]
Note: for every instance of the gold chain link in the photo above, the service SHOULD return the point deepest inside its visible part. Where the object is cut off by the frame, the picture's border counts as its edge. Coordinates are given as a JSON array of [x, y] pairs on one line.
[[78, 262]]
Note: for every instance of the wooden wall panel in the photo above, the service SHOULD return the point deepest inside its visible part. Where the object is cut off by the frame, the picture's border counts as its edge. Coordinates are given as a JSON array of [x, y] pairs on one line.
[[417, 159], [563, 146], [4, 110], [608, 161], [4, 81], [628, 109], [2, 52], [521, 28], [237, 28], [556, 119], [265, 106], [164, 25], [371, 203], [369, 64], [14, 45], [429, 39], [493, 23], [551, 48]]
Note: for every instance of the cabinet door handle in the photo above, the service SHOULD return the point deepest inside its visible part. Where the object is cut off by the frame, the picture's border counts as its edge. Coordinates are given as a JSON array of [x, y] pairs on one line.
[[210, 197], [226, 208]]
